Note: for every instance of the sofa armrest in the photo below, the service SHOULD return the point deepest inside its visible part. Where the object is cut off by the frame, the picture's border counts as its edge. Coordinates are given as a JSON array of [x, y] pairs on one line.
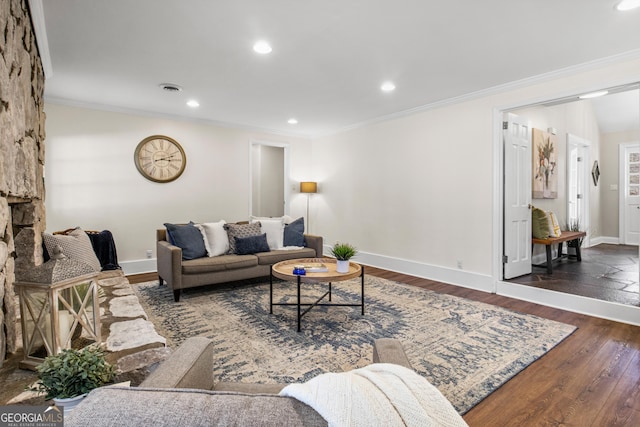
[[390, 350], [169, 263], [315, 242], [190, 366]]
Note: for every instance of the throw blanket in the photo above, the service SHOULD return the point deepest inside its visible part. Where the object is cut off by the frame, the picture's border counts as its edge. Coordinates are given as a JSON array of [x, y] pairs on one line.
[[381, 394]]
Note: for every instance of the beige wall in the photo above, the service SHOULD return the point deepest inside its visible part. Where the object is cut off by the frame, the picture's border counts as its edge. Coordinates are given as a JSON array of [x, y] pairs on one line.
[[420, 188], [92, 182], [609, 168]]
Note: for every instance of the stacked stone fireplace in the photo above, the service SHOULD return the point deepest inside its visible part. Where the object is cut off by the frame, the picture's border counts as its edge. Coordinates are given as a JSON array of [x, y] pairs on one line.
[[22, 213]]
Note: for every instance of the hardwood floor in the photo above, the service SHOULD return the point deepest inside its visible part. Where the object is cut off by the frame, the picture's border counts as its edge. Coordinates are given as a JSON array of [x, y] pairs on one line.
[[592, 378]]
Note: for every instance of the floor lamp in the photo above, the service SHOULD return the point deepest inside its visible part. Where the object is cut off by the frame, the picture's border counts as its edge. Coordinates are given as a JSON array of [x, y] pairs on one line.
[[308, 187]]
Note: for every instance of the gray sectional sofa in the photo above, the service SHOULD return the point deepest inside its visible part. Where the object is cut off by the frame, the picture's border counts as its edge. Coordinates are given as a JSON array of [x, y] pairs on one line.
[[180, 273], [181, 392]]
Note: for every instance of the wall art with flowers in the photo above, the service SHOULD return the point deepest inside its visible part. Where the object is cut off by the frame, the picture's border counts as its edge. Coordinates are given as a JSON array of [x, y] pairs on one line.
[[545, 173]]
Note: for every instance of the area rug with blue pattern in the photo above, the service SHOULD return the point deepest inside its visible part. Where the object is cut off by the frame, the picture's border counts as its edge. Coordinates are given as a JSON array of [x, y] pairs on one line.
[[465, 348]]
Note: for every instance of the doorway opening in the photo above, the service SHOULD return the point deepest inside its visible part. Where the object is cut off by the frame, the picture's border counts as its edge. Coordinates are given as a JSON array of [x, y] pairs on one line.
[[269, 179], [585, 136]]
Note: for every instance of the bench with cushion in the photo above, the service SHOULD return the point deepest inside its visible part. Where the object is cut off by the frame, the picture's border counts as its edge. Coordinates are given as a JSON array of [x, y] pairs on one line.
[[565, 236]]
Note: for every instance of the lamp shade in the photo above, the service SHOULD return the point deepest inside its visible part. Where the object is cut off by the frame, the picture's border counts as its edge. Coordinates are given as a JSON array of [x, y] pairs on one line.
[[309, 187]]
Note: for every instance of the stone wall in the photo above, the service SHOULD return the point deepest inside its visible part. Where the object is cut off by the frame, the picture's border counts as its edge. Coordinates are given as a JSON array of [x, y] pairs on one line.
[[22, 214]]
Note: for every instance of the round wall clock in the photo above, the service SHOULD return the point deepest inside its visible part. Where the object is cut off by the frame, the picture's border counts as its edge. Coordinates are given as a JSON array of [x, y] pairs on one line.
[[160, 158]]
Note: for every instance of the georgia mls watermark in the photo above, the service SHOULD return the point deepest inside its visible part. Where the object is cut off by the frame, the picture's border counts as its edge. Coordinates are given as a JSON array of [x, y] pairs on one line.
[[31, 416]]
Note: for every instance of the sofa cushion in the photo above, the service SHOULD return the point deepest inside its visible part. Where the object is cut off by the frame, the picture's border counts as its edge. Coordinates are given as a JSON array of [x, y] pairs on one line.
[[188, 238], [241, 230], [274, 228], [75, 245], [294, 233], [107, 406], [252, 244], [269, 258], [219, 263], [215, 237]]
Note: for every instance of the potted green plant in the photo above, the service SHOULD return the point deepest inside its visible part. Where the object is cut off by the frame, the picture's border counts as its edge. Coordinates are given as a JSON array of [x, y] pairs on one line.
[[67, 377], [343, 252]]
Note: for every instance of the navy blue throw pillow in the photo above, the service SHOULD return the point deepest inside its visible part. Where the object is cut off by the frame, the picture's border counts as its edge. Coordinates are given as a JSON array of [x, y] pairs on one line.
[[294, 233], [189, 239], [252, 244]]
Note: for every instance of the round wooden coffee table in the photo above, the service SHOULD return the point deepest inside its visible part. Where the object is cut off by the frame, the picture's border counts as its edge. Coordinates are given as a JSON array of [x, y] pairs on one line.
[[284, 270]]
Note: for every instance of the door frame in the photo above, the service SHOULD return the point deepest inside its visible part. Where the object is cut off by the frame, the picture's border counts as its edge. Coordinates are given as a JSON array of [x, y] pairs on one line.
[[574, 303], [622, 185], [286, 148], [585, 144]]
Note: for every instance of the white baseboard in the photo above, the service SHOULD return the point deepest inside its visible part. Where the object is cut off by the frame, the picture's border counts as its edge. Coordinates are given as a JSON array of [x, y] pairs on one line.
[[604, 239], [467, 279], [575, 303]]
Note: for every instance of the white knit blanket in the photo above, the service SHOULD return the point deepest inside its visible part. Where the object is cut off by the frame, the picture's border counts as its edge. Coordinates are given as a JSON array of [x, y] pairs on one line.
[[381, 394]]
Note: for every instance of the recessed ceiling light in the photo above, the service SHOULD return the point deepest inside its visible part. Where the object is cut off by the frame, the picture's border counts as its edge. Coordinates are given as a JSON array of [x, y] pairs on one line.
[[170, 87], [594, 94], [193, 103], [292, 121], [262, 47], [388, 87], [625, 5]]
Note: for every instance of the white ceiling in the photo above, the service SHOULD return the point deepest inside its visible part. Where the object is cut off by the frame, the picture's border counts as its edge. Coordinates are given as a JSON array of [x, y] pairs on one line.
[[329, 57]]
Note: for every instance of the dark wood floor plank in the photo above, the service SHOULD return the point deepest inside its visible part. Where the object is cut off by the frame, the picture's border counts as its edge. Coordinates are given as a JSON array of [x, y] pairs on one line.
[[624, 401]]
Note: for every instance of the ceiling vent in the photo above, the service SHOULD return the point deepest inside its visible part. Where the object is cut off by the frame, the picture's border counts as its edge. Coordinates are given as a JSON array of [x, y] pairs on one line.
[[170, 87]]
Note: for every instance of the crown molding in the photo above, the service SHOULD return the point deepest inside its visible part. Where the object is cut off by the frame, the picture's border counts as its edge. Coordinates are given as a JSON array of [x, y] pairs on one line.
[[153, 114], [517, 84]]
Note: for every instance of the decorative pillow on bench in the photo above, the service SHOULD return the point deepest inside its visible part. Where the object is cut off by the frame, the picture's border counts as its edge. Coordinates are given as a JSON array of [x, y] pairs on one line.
[[544, 224], [539, 224]]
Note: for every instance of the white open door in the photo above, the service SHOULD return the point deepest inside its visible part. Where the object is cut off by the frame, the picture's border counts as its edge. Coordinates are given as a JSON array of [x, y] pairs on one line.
[[516, 135], [629, 194]]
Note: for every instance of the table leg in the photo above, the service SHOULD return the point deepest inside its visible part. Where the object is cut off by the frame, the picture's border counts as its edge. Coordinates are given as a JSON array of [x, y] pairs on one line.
[[299, 304], [362, 287], [549, 259], [271, 290], [329, 291], [578, 254]]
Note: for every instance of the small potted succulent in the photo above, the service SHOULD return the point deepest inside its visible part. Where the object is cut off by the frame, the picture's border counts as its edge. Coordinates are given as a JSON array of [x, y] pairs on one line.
[[343, 252], [67, 377], [574, 225]]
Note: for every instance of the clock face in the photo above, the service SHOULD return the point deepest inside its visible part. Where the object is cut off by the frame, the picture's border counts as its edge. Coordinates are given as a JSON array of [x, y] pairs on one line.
[[160, 158]]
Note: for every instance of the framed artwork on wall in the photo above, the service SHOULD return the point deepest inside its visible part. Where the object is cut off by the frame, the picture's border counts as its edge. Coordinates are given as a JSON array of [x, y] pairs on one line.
[[595, 173], [545, 177]]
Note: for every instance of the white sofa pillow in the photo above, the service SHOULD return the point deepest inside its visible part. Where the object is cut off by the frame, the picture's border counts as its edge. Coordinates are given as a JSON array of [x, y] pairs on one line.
[[274, 227], [215, 237]]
